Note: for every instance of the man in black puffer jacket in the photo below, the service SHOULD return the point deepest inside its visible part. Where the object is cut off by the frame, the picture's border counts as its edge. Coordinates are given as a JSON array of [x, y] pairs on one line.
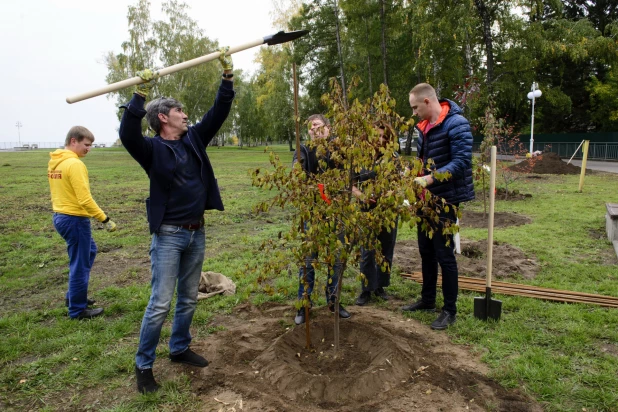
[[445, 138]]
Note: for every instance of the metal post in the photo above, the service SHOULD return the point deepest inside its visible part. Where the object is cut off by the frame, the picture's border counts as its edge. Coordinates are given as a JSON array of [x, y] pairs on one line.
[[532, 125], [18, 125], [534, 93]]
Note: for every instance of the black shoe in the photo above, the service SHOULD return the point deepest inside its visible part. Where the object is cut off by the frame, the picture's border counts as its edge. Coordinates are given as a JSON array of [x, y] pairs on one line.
[[89, 314], [190, 358], [381, 293], [344, 314], [299, 319], [420, 305], [145, 381], [90, 302], [444, 320], [363, 298]]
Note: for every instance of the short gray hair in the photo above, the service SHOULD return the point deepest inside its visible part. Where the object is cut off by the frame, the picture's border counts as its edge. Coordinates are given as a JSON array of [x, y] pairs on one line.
[[320, 117], [160, 105]]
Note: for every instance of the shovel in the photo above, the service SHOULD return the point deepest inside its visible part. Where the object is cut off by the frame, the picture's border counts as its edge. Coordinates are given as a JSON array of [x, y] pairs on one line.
[[271, 40], [487, 307]]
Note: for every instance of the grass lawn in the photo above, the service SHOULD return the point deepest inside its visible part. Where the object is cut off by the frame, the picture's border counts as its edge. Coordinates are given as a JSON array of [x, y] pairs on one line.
[[564, 355]]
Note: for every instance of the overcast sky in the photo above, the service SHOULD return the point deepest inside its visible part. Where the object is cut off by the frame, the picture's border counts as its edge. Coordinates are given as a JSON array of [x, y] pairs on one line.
[[52, 49]]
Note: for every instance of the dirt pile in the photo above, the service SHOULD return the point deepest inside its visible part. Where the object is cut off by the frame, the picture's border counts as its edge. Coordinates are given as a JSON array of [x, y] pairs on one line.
[[547, 163], [473, 219], [508, 262], [385, 363]]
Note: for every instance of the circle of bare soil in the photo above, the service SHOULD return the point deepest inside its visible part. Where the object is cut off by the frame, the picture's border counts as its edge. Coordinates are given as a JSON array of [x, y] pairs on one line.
[[385, 363], [507, 260], [547, 163], [473, 219]]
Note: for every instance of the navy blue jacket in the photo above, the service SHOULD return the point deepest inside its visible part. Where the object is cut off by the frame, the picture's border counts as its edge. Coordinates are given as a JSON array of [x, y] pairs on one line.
[[449, 144], [158, 159]]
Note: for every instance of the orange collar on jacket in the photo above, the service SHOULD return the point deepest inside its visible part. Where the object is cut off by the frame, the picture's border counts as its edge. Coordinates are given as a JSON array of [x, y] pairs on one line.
[[445, 109]]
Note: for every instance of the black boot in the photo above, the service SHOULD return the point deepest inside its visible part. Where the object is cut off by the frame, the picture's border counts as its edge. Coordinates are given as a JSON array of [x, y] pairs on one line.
[[381, 293], [90, 302], [190, 358], [145, 381], [363, 298], [343, 314], [89, 314]]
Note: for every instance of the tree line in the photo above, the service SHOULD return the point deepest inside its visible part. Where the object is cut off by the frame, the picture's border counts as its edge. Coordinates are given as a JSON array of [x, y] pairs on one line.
[[481, 53]]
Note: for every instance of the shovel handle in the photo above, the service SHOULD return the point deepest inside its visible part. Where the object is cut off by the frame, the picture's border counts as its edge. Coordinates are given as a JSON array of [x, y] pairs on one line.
[[133, 81], [490, 224]]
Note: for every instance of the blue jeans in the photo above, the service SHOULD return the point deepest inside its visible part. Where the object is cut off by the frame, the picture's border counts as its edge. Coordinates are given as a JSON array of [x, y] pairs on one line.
[[331, 279], [433, 252], [375, 276], [76, 232], [176, 256]]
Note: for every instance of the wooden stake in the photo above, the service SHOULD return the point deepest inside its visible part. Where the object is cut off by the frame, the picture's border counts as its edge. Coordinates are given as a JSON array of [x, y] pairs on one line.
[[584, 161]]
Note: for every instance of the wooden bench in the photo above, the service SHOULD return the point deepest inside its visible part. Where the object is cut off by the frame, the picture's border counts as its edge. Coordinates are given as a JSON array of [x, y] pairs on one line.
[[611, 224]]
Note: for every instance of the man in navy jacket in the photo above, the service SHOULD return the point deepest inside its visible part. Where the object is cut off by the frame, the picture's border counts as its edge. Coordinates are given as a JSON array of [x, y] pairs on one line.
[[444, 137], [182, 186]]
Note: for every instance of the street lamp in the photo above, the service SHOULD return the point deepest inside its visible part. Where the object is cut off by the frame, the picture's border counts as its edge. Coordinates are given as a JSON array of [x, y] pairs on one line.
[[532, 95]]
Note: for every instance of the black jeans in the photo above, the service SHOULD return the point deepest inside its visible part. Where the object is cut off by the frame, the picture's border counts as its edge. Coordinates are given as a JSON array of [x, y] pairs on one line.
[[376, 277], [434, 251]]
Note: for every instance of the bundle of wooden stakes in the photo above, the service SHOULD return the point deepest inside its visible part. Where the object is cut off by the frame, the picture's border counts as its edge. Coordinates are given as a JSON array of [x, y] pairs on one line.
[[514, 289]]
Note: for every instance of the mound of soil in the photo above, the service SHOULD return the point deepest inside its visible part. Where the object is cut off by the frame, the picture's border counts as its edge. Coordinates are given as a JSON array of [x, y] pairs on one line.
[[501, 219], [547, 163], [385, 363], [508, 262]]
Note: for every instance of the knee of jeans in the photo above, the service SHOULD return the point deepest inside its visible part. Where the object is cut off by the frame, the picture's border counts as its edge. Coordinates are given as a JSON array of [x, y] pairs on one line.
[[157, 307], [186, 300]]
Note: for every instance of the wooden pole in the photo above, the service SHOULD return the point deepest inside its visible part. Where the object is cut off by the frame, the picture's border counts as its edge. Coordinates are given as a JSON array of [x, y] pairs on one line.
[[584, 160], [490, 225], [133, 81], [302, 223]]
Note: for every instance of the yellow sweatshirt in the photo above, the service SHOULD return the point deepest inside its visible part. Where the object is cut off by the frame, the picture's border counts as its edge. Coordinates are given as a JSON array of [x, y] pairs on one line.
[[70, 189]]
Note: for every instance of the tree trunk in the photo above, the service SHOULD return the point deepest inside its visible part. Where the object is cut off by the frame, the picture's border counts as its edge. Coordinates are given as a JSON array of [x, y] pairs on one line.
[[340, 52], [383, 23], [469, 57], [408, 150], [485, 15], [368, 58]]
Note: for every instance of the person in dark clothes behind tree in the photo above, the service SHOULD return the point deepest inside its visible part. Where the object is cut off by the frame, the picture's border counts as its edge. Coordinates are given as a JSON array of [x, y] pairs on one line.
[[444, 137], [319, 128], [182, 186], [376, 279]]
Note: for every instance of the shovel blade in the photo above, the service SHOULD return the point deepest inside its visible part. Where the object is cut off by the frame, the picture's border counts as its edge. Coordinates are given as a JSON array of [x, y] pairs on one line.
[[484, 311], [283, 37]]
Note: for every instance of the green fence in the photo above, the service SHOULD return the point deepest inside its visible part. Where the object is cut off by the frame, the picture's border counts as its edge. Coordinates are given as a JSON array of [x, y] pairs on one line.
[[603, 146]]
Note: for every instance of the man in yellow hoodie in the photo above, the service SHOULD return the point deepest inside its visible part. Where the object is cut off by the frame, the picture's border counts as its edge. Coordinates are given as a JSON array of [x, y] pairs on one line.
[[73, 207]]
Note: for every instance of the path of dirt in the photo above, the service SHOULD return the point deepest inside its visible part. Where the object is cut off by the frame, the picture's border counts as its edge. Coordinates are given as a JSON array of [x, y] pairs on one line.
[[385, 363]]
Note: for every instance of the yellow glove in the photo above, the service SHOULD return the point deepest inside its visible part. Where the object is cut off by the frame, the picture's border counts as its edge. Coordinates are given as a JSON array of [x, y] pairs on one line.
[[109, 225], [148, 76], [420, 181], [226, 61]]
